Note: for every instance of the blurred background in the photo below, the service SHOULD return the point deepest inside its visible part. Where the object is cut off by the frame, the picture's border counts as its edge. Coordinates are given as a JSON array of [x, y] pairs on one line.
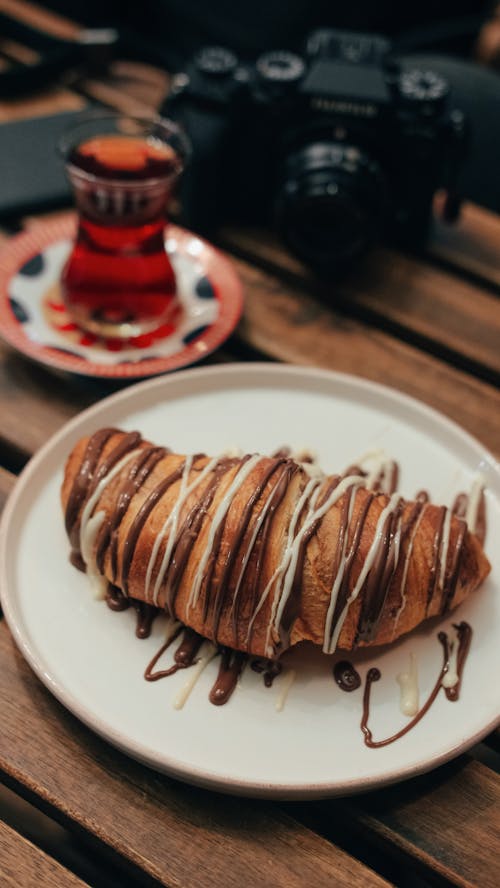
[[459, 38]]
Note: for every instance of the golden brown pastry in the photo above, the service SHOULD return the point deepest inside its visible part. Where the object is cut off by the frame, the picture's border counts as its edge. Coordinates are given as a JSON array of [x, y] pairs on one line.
[[256, 552]]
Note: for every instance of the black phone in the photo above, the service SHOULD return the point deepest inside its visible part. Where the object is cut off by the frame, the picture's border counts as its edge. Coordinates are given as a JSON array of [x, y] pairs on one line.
[[32, 177]]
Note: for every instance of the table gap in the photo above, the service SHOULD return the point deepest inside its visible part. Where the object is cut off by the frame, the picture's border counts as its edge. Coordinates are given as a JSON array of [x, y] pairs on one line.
[[436, 260], [111, 870], [373, 853], [55, 841], [345, 307]]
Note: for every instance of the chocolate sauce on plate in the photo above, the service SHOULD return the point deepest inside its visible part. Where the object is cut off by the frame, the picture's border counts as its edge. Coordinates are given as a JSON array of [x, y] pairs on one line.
[[346, 676], [464, 632]]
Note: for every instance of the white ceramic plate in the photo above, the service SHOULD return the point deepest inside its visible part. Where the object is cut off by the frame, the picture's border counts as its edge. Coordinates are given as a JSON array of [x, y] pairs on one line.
[[91, 660]]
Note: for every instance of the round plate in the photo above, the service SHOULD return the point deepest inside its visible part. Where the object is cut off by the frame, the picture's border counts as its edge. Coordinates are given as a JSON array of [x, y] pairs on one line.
[[33, 318], [91, 660]]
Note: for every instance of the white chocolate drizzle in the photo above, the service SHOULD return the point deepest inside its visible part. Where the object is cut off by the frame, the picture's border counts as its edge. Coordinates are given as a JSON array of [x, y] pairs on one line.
[[445, 544], [338, 580], [379, 467], [406, 566], [251, 544], [98, 583], [171, 524], [451, 677], [409, 702], [287, 679], [311, 487], [88, 531], [210, 651], [310, 492], [370, 558], [474, 500], [221, 511]]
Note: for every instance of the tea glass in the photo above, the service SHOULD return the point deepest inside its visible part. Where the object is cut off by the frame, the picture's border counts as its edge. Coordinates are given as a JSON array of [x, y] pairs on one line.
[[118, 281]]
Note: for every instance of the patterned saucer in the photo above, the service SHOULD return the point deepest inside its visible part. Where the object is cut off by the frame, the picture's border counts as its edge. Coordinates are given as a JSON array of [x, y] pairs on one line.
[[34, 319]]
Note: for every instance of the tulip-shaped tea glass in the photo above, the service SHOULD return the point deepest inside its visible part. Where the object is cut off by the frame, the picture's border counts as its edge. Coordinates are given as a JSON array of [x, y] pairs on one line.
[[118, 281]]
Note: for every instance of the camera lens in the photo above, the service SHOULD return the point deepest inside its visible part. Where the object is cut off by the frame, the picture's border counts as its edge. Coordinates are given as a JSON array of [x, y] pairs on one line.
[[331, 203]]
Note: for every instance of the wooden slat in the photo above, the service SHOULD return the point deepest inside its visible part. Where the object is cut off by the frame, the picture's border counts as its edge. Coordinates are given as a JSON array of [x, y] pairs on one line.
[[34, 402], [455, 319], [448, 821], [284, 323], [37, 17], [428, 305], [131, 87], [445, 825], [23, 864], [46, 102], [51, 101], [173, 832], [473, 244]]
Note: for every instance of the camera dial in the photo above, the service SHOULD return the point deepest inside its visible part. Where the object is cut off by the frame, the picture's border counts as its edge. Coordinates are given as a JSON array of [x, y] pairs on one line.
[[418, 85], [331, 203], [216, 61], [280, 67]]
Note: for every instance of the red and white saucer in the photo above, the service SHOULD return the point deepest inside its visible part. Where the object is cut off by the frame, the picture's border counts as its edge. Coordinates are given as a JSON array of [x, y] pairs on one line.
[[33, 318]]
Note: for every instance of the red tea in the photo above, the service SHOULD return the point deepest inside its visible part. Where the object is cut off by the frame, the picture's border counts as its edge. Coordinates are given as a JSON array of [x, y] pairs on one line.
[[119, 280]]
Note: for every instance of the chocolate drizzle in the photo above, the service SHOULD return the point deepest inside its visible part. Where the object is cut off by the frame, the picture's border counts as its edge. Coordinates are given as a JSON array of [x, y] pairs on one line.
[[184, 656], [346, 676], [140, 519], [140, 469], [254, 565], [343, 592], [376, 586], [231, 665], [237, 537], [436, 559], [188, 534], [115, 599], [77, 561], [269, 669], [464, 635], [235, 556], [79, 489], [146, 613]]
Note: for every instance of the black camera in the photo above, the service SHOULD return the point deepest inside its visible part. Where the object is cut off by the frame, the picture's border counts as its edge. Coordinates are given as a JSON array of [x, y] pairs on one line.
[[339, 145]]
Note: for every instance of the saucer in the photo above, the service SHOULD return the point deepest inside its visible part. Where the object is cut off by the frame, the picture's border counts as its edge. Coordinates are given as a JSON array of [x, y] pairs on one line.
[[34, 320]]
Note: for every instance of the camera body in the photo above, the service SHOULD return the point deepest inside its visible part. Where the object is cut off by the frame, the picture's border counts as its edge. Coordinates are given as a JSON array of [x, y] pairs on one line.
[[338, 146]]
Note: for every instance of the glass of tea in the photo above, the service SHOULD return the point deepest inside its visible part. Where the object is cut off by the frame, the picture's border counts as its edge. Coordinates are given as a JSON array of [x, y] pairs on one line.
[[118, 281]]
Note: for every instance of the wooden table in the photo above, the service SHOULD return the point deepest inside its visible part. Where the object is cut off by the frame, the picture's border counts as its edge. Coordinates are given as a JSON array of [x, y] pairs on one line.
[[74, 811]]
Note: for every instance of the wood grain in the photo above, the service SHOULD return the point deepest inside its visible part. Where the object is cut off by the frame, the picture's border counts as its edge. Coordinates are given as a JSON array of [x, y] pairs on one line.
[[445, 824], [52, 101], [439, 311], [35, 402], [131, 87], [472, 245], [448, 821], [37, 17], [23, 864], [282, 322], [173, 832]]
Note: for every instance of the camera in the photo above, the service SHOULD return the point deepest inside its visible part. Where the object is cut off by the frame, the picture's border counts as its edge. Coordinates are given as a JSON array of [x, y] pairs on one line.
[[338, 146]]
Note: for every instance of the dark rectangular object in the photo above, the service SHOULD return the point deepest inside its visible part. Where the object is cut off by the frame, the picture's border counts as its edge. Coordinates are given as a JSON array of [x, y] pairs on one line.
[[362, 83], [32, 177]]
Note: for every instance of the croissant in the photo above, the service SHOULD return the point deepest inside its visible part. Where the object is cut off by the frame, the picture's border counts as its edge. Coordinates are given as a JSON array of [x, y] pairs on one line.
[[258, 553]]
